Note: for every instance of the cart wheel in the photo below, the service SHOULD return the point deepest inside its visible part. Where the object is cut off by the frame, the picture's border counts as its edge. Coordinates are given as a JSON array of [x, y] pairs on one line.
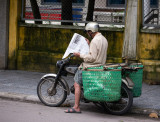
[[123, 105]]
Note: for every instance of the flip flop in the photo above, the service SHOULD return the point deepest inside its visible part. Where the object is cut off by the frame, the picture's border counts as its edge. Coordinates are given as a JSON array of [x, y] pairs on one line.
[[73, 111]]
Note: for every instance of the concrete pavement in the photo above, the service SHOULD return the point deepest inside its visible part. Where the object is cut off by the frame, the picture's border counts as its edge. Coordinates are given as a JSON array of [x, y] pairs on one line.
[[15, 111], [21, 85]]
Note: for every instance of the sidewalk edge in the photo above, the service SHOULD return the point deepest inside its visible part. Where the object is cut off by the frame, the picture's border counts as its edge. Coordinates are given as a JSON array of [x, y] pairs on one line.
[[19, 97], [145, 111], [34, 99]]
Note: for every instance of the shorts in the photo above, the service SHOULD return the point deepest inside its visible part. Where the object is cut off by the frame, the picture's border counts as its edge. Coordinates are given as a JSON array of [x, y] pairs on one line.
[[78, 77]]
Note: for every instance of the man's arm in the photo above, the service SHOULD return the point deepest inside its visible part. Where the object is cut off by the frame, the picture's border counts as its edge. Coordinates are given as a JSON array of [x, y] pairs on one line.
[[92, 55]]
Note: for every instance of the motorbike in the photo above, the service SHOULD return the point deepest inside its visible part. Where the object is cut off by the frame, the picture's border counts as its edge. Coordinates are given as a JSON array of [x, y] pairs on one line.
[[52, 89]]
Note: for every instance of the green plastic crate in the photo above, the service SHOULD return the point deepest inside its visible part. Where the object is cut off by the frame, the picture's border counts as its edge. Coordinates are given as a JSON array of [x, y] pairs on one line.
[[102, 85], [137, 78]]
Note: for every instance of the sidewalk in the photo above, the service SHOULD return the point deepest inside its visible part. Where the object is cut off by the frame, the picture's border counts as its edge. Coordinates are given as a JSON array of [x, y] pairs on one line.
[[21, 85]]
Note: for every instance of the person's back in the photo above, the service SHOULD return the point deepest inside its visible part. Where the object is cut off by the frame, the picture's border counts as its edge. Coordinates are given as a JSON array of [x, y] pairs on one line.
[[98, 52]]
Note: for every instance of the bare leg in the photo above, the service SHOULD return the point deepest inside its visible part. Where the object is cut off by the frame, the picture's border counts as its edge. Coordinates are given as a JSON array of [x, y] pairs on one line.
[[77, 96]]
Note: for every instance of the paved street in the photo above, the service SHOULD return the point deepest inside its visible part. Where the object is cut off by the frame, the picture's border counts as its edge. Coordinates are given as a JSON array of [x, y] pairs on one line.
[[21, 85], [12, 111], [24, 82]]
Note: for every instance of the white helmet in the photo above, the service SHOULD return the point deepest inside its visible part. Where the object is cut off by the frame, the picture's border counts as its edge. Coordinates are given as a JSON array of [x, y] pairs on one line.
[[92, 26]]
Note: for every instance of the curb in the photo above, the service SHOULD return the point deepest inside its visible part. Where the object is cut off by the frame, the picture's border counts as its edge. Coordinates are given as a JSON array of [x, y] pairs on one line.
[[19, 97], [35, 99], [145, 111]]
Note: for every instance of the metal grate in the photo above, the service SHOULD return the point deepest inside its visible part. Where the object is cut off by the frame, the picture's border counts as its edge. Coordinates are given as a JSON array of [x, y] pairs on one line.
[[151, 13], [79, 11]]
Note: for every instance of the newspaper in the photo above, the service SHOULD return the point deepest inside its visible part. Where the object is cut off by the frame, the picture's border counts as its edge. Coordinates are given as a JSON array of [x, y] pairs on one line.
[[77, 44]]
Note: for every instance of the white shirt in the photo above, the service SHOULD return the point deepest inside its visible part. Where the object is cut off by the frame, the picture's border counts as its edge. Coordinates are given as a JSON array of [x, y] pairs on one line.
[[97, 52]]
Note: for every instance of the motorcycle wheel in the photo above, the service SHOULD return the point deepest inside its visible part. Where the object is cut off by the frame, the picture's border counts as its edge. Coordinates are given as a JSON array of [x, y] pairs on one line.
[[51, 99], [123, 105]]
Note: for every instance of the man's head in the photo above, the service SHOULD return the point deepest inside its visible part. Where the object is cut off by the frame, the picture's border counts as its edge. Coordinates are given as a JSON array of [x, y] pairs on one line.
[[92, 28]]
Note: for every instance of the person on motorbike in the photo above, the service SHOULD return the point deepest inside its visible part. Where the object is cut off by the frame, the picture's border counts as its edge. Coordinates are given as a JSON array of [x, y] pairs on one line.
[[96, 57]]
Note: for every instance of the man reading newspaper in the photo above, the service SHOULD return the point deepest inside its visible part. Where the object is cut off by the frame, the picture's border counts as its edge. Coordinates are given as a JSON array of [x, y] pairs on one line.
[[96, 57], [77, 44]]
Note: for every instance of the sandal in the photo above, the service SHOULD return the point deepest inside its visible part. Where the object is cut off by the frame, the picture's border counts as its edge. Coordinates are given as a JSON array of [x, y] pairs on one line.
[[72, 110]]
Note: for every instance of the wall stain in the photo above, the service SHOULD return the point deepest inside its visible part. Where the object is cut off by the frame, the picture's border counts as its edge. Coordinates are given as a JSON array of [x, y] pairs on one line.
[[44, 46]]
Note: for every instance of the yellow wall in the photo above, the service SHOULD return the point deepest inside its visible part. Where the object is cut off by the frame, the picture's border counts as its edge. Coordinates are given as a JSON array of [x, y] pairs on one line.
[[149, 46], [37, 48], [149, 55], [14, 17]]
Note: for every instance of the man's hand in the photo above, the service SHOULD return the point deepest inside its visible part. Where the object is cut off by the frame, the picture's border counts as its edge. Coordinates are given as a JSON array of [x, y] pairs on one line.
[[87, 41], [77, 54]]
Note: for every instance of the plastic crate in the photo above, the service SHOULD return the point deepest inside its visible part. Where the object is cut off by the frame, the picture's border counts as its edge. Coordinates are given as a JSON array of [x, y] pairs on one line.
[[100, 85], [137, 78]]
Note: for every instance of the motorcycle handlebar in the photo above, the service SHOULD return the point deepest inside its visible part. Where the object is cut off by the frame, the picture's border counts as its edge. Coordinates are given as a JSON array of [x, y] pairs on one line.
[[72, 55], [67, 59]]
